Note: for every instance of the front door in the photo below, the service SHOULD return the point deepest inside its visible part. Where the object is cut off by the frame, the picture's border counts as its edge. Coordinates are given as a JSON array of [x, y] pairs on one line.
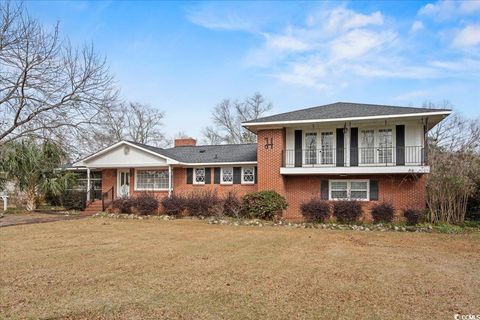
[[123, 182]]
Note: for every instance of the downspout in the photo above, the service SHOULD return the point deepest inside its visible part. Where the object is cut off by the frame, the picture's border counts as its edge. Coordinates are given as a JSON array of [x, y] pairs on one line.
[[169, 181], [88, 185]]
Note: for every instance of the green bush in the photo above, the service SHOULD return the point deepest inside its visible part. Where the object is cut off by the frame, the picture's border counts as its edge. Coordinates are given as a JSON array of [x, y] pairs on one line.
[[74, 200], [263, 204]]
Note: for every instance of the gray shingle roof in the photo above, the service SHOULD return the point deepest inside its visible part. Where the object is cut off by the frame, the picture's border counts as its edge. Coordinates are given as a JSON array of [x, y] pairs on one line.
[[342, 110], [208, 154]]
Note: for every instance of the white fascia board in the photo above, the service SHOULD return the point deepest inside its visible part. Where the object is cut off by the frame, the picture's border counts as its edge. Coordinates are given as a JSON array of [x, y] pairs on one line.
[[355, 170], [83, 162], [217, 164], [423, 114]]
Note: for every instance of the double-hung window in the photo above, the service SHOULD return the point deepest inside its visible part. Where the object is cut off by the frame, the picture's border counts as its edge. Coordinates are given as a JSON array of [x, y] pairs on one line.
[[226, 176], [349, 190], [151, 179], [248, 175], [199, 175]]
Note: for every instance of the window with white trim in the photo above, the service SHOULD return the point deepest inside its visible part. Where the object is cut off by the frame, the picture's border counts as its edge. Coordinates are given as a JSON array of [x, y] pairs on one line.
[[199, 175], [151, 179], [349, 190], [226, 176], [248, 175]]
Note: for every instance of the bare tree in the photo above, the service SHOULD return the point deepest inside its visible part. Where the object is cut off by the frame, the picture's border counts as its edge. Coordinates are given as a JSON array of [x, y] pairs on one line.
[[131, 121], [46, 84], [455, 133], [228, 116], [454, 159]]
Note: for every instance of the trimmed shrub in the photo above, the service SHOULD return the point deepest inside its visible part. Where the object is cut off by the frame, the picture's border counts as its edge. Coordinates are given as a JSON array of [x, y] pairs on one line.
[[383, 212], [232, 205], [263, 204], [74, 200], [145, 204], [315, 210], [347, 211], [412, 216], [203, 204], [123, 205], [174, 205]]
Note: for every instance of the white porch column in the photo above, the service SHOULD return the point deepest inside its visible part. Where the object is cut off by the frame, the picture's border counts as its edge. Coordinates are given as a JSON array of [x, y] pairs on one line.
[[169, 181], [88, 184]]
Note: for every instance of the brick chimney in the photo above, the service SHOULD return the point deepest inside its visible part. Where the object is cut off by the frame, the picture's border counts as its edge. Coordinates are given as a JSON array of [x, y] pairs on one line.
[[185, 142]]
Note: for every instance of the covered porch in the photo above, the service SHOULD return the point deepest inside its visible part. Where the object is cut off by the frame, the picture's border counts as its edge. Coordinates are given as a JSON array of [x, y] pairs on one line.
[[127, 170]]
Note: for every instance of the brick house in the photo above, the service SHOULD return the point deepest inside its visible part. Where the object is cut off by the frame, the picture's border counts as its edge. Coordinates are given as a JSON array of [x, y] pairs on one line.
[[338, 151]]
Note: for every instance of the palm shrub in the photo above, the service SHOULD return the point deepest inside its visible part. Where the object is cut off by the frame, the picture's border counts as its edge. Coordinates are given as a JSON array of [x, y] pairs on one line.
[[347, 211], [315, 209], [33, 168], [383, 212], [263, 204]]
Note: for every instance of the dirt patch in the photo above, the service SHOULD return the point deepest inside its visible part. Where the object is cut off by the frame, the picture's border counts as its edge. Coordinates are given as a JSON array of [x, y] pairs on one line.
[[9, 220]]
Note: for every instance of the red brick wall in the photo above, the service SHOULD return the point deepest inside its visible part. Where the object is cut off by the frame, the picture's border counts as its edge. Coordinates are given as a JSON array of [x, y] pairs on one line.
[[185, 142], [270, 160], [180, 185], [401, 190]]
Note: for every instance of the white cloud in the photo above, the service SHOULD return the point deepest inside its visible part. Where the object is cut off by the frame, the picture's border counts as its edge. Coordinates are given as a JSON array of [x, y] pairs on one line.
[[416, 26], [359, 42], [448, 9], [212, 19], [341, 19], [469, 36], [286, 43]]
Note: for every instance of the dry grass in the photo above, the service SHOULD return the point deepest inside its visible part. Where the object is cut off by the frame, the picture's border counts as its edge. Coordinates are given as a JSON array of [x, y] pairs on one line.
[[103, 268]]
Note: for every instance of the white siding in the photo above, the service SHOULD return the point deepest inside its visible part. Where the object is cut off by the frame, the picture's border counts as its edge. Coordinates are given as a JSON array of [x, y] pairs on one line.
[[119, 157]]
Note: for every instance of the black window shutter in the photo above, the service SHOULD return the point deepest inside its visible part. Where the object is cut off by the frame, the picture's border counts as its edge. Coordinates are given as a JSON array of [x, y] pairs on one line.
[[256, 174], [216, 175], [189, 175], [373, 190], [353, 147], [298, 148], [324, 190], [208, 175], [237, 175], [340, 148], [400, 141]]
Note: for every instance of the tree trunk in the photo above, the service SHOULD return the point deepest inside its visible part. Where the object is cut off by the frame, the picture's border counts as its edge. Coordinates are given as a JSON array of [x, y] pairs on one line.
[[31, 199]]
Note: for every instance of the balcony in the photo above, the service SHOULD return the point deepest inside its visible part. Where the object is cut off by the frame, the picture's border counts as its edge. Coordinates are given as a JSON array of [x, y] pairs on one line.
[[410, 159]]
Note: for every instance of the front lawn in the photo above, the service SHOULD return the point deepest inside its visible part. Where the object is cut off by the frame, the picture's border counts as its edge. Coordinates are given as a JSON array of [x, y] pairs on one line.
[[150, 269]]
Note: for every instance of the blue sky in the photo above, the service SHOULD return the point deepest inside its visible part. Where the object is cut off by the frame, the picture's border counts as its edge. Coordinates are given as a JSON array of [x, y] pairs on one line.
[[185, 57]]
